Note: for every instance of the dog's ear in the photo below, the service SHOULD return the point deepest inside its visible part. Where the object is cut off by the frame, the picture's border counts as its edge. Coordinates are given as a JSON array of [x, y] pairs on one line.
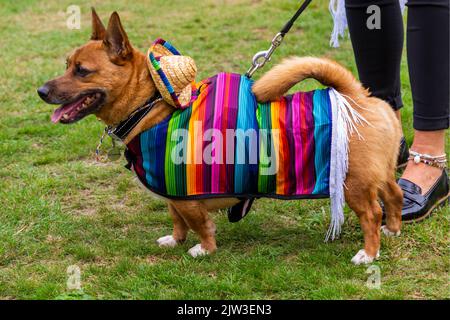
[[98, 29], [116, 41]]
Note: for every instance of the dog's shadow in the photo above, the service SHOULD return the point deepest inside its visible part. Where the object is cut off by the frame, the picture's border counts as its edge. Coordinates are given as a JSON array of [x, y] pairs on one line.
[[289, 233]]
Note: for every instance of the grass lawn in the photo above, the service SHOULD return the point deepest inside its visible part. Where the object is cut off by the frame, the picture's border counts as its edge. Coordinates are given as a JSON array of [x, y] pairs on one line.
[[60, 208]]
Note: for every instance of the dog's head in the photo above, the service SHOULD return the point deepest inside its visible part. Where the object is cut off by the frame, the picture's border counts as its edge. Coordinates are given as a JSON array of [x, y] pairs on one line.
[[96, 77]]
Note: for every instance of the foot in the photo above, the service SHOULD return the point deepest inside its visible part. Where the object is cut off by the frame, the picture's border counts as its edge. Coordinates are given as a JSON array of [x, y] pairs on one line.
[[424, 182], [425, 142], [363, 258], [389, 233], [418, 205], [422, 175], [197, 251], [167, 242]]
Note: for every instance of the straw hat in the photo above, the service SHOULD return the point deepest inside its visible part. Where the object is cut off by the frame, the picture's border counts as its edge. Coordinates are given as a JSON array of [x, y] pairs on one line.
[[172, 73]]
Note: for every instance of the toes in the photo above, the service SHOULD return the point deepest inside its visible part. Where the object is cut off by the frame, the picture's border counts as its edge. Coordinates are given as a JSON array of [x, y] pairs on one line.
[[389, 233], [363, 258], [167, 242], [197, 251]]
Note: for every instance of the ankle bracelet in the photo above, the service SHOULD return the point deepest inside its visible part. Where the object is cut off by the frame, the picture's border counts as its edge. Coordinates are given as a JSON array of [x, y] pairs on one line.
[[434, 161]]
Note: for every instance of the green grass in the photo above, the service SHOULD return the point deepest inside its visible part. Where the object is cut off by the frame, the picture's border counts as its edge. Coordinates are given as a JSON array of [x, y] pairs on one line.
[[60, 208]]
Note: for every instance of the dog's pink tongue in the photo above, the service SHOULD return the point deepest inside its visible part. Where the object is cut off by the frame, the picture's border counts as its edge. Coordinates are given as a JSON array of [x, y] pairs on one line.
[[67, 108], [57, 114]]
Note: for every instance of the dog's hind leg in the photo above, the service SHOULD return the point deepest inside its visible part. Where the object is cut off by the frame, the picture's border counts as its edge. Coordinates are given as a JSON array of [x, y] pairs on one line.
[[196, 217], [392, 197], [364, 202], [180, 230]]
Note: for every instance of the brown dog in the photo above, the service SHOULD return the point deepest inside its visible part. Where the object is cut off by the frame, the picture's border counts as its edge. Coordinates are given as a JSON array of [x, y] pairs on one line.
[[109, 78]]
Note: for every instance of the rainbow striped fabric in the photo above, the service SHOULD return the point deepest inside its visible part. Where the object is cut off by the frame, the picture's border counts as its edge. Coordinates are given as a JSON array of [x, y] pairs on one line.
[[226, 144]]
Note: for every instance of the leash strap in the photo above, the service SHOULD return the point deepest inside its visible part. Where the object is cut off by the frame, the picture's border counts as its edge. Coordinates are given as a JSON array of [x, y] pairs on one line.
[[290, 23], [260, 58], [241, 209]]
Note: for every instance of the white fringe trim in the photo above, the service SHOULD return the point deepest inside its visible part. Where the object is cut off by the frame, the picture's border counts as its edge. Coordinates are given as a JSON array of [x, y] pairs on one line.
[[337, 10], [403, 5], [345, 122]]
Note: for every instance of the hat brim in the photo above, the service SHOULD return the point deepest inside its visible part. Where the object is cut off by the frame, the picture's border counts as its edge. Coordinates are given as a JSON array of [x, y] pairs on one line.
[[171, 92]]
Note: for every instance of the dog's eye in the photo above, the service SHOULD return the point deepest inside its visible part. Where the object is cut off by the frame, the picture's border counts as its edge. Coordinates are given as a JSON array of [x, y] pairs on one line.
[[80, 71]]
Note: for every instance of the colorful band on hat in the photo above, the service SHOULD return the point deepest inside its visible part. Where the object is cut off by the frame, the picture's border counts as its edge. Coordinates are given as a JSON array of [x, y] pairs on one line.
[[155, 62]]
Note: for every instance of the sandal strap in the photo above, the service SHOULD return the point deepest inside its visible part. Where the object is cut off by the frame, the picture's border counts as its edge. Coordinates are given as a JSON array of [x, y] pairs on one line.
[[411, 191]]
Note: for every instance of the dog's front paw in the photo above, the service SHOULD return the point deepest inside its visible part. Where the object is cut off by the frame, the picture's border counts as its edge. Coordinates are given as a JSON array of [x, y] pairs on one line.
[[197, 251], [363, 258], [167, 242], [389, 233]]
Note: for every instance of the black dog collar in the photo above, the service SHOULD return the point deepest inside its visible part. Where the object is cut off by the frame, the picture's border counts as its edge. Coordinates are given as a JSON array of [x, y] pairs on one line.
[[122, 130]]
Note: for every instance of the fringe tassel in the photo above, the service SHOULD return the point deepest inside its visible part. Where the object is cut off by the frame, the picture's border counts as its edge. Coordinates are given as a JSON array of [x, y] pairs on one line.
[[337, 10], [345, 122], [403, 5]]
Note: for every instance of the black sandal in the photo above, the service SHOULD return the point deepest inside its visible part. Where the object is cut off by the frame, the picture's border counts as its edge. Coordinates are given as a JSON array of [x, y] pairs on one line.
[[416, 206]]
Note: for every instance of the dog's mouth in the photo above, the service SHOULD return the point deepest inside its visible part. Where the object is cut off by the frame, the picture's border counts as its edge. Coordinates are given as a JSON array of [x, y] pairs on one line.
[[78, 108]]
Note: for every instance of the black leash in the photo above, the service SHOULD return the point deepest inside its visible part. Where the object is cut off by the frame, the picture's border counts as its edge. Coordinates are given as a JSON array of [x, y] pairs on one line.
[[260, 59], [240, 210], [290, 23]]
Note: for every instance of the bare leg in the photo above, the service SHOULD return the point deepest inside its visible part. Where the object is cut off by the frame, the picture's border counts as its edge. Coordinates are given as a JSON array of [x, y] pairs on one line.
[[428, 142]]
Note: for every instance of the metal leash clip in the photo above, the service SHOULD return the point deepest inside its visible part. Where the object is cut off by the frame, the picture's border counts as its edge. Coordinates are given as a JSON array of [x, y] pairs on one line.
[[110, 132], [99, 145], [112, 153], [260, 58]]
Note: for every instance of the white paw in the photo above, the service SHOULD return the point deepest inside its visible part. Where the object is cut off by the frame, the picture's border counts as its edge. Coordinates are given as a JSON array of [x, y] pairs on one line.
[[167, 242], [363, 258], [389, 233], [197, 251]]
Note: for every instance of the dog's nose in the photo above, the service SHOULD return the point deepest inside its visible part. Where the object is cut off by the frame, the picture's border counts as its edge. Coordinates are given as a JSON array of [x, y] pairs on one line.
[[43, 92]]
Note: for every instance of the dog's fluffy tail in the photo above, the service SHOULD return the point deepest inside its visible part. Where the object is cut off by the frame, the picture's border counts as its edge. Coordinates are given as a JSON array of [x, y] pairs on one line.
[[277, 81]]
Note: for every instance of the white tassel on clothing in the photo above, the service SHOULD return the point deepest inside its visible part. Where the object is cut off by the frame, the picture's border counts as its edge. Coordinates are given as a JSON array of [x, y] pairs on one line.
[[345, 122], [337, 10], [403, 5]]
